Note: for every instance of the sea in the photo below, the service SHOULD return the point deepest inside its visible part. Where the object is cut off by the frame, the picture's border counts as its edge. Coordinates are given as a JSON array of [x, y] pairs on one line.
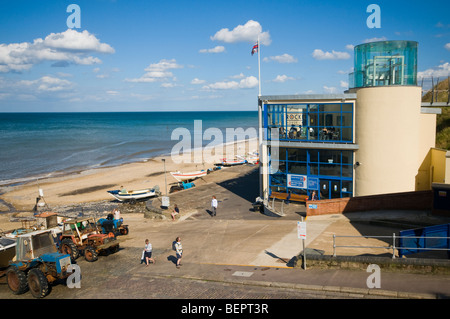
[[42, 145]]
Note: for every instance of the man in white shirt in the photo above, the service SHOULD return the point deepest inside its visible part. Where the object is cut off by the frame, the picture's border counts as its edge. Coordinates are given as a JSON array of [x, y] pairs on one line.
[[214, 206]]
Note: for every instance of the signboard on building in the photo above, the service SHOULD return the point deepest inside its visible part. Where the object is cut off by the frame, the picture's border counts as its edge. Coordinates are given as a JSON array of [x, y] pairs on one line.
[[297, 181], [313, 183]]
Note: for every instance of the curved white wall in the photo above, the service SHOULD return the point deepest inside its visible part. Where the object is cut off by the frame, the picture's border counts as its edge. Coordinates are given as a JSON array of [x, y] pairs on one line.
[[387, 130]]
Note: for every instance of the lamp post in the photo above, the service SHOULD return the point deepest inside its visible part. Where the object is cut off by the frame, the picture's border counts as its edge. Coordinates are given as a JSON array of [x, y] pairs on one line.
[[165, 199], [165, 177]]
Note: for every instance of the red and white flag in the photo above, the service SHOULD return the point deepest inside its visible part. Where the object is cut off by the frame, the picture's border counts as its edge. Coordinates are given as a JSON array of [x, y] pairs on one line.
[[255, 48]]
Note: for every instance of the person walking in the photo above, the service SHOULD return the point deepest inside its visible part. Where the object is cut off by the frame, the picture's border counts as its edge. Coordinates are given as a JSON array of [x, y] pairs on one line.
[[214, 206], [175, 212], [179, 251], [148, 252]]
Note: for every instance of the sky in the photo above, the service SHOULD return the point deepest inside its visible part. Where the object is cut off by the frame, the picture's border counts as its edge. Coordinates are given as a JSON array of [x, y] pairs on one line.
[[130, 55]]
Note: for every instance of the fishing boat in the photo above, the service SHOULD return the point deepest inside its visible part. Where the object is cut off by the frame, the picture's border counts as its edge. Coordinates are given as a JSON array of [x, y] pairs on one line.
[[7, 251], [253, 158], [232, 162], [134, 195], [181, 177]]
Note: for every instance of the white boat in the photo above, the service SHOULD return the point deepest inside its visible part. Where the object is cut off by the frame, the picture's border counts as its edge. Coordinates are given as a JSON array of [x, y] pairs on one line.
[[252, 158], [7, 251], [182, 177], [133, 195], [232, 162]]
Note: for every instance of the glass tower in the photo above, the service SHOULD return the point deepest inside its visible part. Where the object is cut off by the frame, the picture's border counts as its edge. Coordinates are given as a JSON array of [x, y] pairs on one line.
[[384, 63]]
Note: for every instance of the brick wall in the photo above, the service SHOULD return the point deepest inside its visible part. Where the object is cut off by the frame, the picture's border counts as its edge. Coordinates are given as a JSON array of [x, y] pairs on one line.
[[420, 200]]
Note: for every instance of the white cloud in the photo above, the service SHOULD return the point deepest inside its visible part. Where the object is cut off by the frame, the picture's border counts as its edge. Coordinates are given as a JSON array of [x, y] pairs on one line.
[[442, 70], [333, 55], [447, 46], [350, 47], [246, 83], [157, 72], [47, 84], [329, 90], [282, 78], [238, 76], [217, 49], [73, 40], [197, 81], [344, 84], [62, 48], [243, 33], [284, 58], [375, 39]]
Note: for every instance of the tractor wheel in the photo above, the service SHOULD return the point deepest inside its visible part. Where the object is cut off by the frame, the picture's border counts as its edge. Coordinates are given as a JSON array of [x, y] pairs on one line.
[[38, 283], [124, 230], [133, 201], [68, 247], [17, 280], [90, 254]]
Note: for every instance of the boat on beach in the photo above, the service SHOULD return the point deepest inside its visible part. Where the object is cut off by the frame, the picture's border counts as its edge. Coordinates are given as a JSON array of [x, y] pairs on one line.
[[134, 195], [252, 158], [233, 162], [7, 251], [182, 177]]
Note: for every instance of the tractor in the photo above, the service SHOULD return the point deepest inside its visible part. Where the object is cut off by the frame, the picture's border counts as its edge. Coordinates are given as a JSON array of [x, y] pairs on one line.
[[111, 224], [81, 235], [37, 264]]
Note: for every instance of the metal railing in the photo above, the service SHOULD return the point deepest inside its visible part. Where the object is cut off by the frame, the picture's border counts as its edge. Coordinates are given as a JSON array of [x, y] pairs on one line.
[[392, 247]]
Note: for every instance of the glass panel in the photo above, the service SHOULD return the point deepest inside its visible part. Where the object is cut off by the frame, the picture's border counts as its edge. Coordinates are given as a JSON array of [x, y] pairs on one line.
[[278, 179], [297, 168], [347, 107], [346, 119], [330, 170], [347, 157], [313, 156], [347, 133], [347, 187], [298, 155], [314, 169], [327, 156], [347, 170]]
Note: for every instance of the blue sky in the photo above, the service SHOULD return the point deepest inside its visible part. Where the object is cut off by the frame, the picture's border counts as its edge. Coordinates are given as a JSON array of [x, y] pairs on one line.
[[196, 55]]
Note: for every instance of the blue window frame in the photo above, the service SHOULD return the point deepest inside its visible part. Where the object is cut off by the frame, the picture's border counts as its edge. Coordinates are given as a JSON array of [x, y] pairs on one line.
[[333, 169], [320, 122]]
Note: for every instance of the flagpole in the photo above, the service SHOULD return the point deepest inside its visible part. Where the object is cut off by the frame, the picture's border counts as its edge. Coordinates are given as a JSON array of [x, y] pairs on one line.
[[259, 68]]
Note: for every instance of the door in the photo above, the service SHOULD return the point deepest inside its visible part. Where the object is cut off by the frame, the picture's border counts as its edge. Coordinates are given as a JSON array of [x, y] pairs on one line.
[[330, 189]]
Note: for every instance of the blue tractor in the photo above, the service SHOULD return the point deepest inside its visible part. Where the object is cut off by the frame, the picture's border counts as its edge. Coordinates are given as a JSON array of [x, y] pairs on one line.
[[37, 264], [112, 225]]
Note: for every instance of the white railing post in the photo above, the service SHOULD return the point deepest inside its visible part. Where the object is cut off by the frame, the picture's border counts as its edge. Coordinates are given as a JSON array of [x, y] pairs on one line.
[[334, 245], [393, 246]]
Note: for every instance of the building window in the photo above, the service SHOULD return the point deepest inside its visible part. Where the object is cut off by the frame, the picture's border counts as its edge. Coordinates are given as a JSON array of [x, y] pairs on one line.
[[328, 172], [310, 122]]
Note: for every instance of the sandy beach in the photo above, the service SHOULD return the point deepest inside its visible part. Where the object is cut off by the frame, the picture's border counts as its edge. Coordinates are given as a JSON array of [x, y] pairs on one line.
[[92, 185]]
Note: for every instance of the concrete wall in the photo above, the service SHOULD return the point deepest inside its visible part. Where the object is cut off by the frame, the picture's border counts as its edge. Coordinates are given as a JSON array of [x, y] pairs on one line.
[[388, 128]]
